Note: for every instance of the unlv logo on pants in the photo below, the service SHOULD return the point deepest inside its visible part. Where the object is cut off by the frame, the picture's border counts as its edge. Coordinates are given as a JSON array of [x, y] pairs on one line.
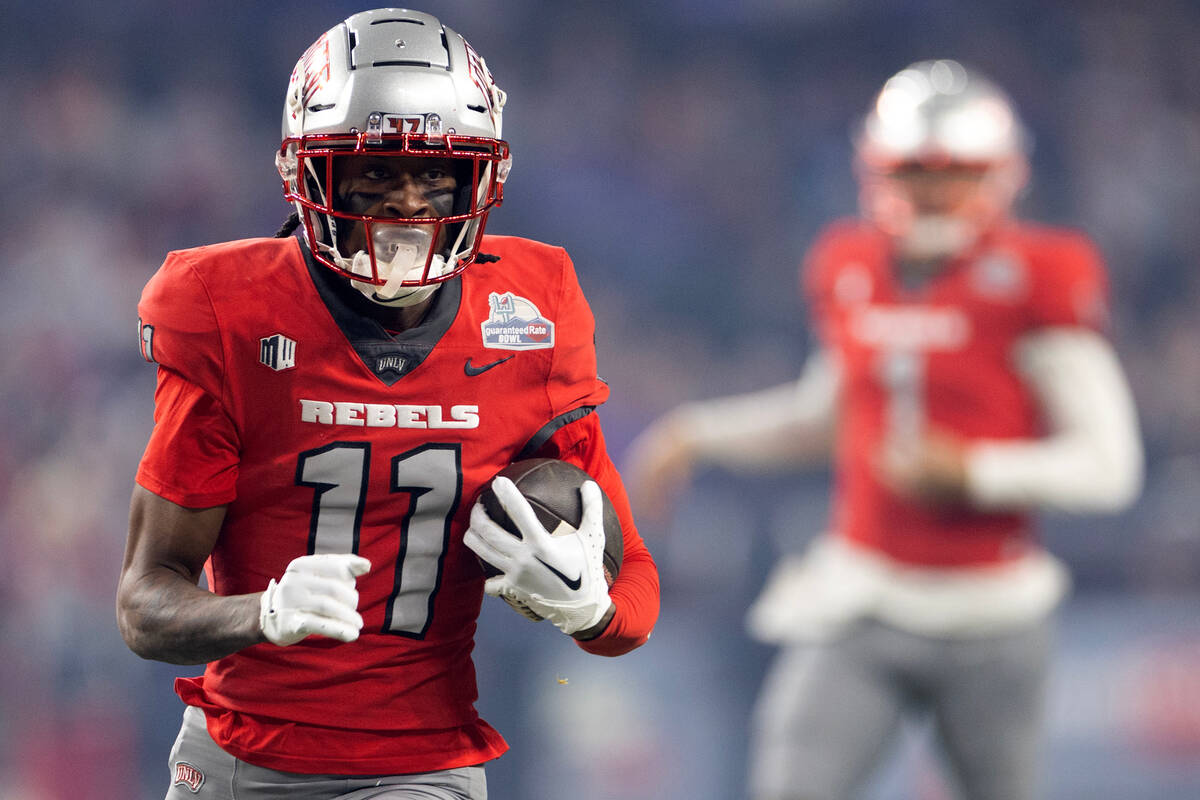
[[187, 775]]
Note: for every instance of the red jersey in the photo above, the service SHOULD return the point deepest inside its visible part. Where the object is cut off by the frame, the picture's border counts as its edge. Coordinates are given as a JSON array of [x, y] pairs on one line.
[[324, 433], [940, 355]]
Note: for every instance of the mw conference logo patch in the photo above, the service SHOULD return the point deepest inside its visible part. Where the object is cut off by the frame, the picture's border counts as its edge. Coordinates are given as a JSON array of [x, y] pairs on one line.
[[277, 352]]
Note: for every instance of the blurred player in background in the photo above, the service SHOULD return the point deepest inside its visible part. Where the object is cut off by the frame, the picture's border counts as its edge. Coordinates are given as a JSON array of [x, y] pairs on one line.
[[328, 406], [962, 380]]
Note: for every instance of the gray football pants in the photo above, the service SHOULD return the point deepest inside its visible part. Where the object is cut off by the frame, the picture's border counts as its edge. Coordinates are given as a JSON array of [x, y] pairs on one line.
[[828, 712], [201, 770]]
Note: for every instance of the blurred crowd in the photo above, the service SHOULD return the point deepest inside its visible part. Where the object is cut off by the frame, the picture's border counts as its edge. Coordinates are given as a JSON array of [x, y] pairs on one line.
[[684, 152]]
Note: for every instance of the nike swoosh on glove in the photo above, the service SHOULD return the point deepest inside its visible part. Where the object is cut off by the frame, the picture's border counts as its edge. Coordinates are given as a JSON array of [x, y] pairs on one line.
[[315, 595], [559, 577]]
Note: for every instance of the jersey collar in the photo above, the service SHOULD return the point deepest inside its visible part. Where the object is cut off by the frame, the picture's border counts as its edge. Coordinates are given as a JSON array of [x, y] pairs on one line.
[[389, 356]]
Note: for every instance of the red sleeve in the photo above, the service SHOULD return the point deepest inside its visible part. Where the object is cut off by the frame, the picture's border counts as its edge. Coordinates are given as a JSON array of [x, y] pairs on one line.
[[818, 272], [178, 326], [635, 592], [193, 453], [192, 456], [1070, 284], [573, 381]]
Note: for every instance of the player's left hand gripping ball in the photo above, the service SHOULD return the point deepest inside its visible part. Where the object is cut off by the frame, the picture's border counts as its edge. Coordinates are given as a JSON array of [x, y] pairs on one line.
[[560, 578]]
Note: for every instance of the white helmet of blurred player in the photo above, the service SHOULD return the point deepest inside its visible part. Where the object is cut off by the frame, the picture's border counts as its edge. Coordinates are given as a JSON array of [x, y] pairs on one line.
[[393, 84], [941, 158]]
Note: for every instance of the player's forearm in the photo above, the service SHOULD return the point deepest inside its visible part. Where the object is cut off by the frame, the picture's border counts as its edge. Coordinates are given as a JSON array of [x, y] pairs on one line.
[[165, 617], [787, 425], [1092, 459], [1063, 474], [635, 598], [597, 629]]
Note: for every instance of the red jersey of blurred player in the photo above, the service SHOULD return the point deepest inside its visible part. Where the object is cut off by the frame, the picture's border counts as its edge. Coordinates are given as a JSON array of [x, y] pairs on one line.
[[939, 357], [325, 435], [962, 382]]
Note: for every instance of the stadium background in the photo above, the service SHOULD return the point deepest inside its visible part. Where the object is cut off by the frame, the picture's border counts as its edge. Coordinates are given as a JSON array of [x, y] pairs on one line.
[[684, 151]]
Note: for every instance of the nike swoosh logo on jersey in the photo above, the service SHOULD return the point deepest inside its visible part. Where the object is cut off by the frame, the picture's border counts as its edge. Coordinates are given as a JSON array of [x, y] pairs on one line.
[[573, 585], [473, 371]]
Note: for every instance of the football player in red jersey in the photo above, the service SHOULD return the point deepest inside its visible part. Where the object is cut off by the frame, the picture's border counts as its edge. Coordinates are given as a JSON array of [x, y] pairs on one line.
[[962, 380], [328, 406]]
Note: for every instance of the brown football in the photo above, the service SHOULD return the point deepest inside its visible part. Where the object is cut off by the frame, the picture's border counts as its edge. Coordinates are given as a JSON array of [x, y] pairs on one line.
[[552, 488]]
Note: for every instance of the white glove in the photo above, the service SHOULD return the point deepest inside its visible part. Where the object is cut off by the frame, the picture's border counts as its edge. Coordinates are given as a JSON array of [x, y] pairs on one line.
[[558, 576], [316, 595]]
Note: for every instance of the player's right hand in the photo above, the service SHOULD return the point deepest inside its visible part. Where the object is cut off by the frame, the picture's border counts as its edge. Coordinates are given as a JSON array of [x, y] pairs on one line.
[[315, 595], [559, 578], [658, 466], [930, 469]]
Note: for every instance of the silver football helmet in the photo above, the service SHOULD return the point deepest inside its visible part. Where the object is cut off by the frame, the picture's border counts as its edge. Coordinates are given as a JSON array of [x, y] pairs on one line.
[[392, 84], [937, 122]]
